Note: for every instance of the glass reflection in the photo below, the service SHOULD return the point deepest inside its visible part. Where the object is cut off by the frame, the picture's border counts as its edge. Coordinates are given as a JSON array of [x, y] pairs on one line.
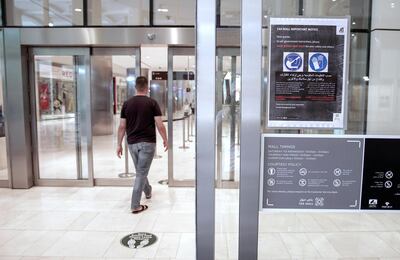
[[56, 106]]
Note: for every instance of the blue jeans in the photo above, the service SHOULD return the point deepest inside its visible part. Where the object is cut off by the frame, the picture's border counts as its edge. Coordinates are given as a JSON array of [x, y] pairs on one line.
[[142, 155]]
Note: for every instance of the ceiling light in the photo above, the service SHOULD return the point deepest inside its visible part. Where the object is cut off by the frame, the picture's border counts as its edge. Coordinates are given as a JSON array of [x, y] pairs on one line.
[[147, 57], [162, 10], [366, 78], [51, 24], [393, 5], [78, 10], [354, 23]]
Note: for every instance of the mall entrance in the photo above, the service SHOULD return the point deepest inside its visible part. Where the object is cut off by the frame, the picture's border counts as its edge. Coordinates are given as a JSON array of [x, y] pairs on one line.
[[76, 95]]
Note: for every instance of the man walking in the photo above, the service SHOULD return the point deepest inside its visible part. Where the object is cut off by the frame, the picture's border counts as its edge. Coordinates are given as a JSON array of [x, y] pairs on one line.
[[140, 115]]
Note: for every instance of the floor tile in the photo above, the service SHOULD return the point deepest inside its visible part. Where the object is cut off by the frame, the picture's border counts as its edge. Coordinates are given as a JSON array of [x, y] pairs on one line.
[[299, 245], [360, 244], [271, 246], [114, 221], [82, 244], [20, 243]]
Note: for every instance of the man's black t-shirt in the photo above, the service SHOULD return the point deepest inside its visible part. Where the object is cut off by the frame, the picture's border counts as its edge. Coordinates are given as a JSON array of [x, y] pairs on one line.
[[139, 112]]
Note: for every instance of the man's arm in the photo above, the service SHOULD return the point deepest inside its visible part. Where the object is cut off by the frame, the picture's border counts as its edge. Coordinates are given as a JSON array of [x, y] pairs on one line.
[[121, 134], [161, 129]]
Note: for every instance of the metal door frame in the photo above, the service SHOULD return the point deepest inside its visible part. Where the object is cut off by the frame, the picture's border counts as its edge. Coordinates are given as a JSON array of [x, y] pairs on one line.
[[175, 51], [110, 51], [83, 90], [7, 182]]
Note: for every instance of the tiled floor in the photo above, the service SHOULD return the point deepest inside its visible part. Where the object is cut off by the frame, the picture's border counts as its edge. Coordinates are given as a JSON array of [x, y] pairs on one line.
[[88, 223]]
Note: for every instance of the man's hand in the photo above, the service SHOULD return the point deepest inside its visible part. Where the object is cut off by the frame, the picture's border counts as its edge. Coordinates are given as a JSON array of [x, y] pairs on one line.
[[119, 151], [165, 143]]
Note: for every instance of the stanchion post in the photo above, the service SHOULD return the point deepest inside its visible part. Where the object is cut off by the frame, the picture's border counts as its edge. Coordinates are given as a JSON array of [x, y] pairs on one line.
[[126, 174], [192, 124], [188, 127], [183, 135], [156, 155]]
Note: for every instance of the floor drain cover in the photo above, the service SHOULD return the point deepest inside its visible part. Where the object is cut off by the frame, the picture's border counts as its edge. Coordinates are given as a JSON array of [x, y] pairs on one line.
[[138, 240]]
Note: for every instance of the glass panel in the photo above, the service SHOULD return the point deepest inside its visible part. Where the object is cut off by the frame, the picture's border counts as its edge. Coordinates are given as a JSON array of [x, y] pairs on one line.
[[3, 142], [228, 116], [57, 123], [358, 84], [184, 90], [112, 75], [45, 12], [357, 9], [229, 13], [154, 61], [283, 8], [177, 12], [323, 234], [118, 12]]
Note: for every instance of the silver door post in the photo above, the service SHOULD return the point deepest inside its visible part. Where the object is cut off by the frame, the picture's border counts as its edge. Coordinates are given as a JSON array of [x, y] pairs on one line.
[[205, 128], [250, 135]]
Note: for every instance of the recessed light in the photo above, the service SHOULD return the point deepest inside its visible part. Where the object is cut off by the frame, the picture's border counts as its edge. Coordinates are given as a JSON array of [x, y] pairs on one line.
[[392, 5], [78, 10], [147, 57], [51, 24], [162, 10], [354, 23]]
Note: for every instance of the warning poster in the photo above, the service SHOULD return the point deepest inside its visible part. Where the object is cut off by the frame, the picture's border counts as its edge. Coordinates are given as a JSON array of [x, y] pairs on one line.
[[307, 76]]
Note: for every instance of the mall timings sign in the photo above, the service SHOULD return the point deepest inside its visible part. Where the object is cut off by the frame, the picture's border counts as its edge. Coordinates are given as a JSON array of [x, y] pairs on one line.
[[311, 172], [307, 76]]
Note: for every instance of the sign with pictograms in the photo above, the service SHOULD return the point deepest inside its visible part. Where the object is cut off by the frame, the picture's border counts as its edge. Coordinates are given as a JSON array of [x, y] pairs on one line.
[[308, 61]]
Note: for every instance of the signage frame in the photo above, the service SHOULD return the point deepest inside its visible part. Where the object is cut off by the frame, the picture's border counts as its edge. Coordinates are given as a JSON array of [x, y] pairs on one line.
[[364, 137], [282, 124]]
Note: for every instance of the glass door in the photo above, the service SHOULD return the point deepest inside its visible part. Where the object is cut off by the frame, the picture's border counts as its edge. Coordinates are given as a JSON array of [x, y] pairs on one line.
[[228, 88], [60, 98], [114, 71], [181, 116]]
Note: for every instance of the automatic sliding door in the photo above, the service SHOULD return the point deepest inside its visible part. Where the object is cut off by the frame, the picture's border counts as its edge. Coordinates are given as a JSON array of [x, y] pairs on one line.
[[181, 116], [114, 71], [61, 105]]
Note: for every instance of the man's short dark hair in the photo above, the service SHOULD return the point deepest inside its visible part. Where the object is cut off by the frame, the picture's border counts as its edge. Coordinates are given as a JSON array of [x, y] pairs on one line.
[[141, 83]]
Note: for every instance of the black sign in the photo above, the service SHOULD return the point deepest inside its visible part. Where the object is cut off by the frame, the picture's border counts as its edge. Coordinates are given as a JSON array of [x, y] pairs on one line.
[[307, 72], [138, 240], [178, 75], [159, 75], [381, 179]]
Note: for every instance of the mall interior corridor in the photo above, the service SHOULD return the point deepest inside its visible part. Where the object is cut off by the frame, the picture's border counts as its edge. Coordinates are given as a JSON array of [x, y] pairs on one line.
[[278, 129]]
